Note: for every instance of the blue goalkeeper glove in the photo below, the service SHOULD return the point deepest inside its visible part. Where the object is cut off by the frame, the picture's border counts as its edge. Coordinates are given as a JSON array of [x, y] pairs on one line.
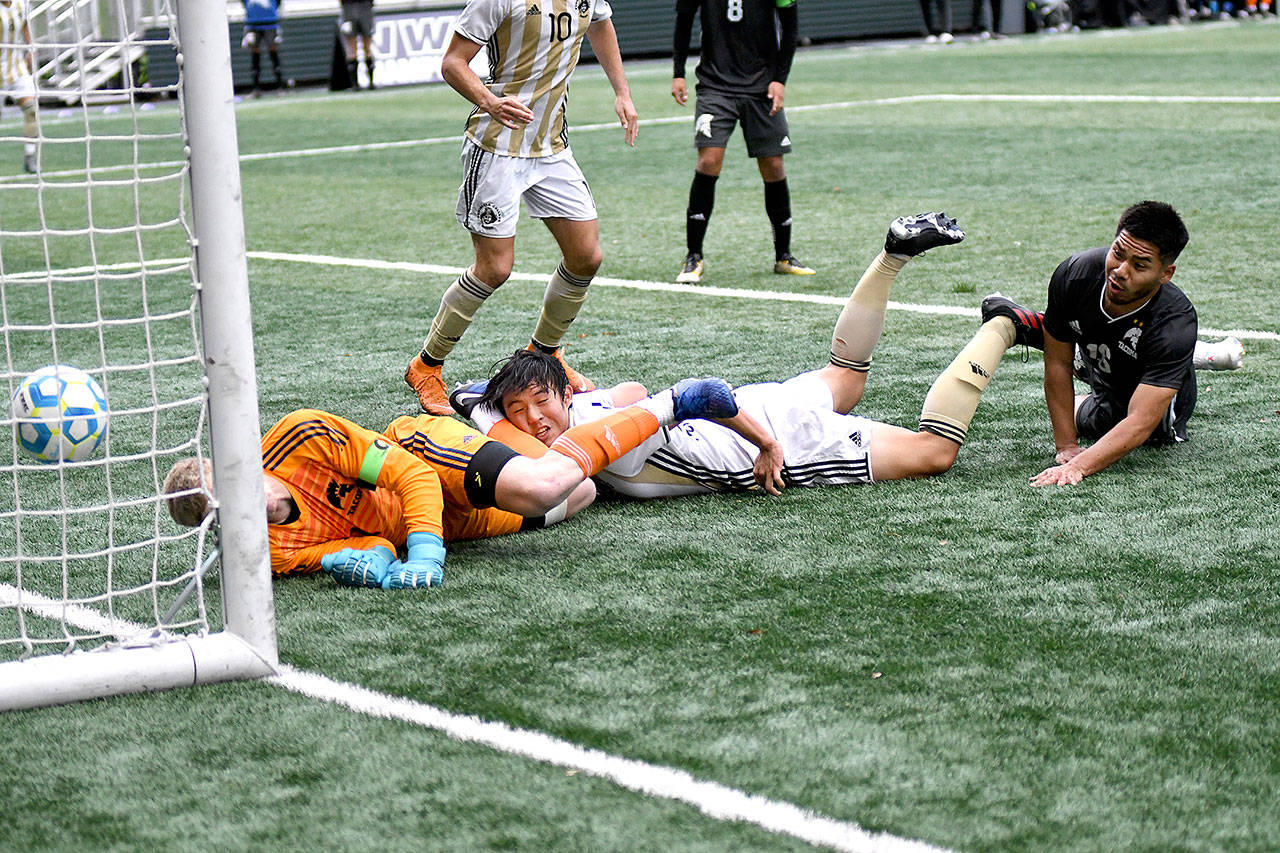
[[422, 567], [356, 567]]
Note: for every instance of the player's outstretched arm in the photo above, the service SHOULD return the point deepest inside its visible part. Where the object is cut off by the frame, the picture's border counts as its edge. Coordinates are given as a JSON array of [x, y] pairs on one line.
[[604, 42], [1147, 407]]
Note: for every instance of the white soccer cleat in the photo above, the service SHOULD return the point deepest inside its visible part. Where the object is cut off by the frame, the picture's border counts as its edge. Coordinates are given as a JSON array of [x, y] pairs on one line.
[[1227, 354]]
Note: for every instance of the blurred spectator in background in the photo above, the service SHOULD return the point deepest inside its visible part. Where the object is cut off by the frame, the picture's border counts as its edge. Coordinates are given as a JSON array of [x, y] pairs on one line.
[[986, 18], [262, 27], [356, 24], [939, 24]]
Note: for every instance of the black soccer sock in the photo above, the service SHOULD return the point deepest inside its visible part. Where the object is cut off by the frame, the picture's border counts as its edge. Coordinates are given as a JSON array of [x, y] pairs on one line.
[[368, 67], [352, 67], [702, 198], [777, 204], [255, 62]]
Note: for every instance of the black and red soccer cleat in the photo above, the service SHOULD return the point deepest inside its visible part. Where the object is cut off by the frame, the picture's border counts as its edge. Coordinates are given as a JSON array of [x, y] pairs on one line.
[[1028, 325]]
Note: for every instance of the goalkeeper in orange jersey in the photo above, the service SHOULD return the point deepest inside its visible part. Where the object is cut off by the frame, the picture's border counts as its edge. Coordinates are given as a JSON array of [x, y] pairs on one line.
[[344, 499]]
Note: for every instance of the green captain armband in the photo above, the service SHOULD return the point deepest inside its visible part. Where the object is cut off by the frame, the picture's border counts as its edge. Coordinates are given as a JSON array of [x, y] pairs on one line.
[[371, 467], [783, 4]]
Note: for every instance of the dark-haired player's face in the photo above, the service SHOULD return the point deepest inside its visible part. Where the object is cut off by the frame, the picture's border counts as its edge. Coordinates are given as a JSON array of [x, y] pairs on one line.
[[539, 411], [1134, 272]]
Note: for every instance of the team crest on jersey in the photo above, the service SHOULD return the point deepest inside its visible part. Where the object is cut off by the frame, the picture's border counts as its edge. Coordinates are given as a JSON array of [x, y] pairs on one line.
[[1129, 343], [336, 492], [703, 125], [584, 8], [489, 214]]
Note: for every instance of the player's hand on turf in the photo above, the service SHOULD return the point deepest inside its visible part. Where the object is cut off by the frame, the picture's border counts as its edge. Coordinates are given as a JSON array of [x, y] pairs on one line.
[[359, 567], [626, 111], [1058, 475], [680, 91], [422, 567], [510, 112], [776, 96], [768, 469]]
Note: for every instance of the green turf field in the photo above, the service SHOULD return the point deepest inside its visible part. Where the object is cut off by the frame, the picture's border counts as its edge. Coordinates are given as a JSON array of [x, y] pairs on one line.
[[966, 661]]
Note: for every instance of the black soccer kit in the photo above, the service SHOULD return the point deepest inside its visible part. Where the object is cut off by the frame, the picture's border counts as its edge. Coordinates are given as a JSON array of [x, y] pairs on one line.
[[1151, 346], [743, 47]]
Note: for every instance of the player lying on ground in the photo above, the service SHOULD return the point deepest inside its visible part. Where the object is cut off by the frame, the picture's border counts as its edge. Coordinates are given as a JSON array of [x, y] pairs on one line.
[[808, 436], [345, 499], [1116, 321]]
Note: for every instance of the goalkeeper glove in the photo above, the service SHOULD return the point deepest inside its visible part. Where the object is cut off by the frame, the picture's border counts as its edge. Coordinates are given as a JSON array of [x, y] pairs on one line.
[[422, 567], [355, 567]]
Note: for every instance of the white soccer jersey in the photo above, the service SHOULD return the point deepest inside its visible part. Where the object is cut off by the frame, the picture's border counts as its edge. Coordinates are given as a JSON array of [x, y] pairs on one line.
[[13, 42], [533, 46], [821, 447]]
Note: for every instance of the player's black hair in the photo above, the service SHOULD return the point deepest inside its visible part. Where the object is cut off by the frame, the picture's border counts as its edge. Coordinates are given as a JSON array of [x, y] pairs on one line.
[[522, 370], [1157, 223]]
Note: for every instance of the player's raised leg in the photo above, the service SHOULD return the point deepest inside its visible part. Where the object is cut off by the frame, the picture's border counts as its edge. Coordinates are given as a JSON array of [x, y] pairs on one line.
[[861, 321]]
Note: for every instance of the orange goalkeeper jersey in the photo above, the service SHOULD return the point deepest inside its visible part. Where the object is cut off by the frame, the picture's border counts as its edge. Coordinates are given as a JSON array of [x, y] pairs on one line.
[[352, 488], [448, 446]]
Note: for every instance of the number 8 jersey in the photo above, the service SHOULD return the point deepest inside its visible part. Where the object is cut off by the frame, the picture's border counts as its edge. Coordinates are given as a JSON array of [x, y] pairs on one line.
[[533, 46]]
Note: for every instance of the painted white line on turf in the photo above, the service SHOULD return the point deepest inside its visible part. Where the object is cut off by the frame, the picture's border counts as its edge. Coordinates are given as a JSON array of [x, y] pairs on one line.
[[690, 289], [940, 97], [711, 798]]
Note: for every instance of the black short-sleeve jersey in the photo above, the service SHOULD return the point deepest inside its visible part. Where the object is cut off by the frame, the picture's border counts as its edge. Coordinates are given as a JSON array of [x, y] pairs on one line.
[[740, 48], [1150, 346]]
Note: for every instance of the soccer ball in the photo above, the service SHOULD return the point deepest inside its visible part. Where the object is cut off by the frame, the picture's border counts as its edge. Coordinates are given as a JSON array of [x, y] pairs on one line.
[[60, 413]]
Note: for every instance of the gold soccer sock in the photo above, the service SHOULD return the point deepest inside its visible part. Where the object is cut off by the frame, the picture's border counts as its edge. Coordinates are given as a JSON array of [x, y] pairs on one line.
[[458, 307], [862, 320], [595, 445], [951, 402], [565, 294]]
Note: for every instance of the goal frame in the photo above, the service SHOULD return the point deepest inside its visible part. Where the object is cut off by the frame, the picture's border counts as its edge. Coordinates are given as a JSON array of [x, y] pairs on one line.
[[246, 647]]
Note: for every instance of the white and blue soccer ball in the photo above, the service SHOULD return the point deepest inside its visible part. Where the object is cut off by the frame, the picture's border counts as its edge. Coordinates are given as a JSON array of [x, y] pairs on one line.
[[60, 413]]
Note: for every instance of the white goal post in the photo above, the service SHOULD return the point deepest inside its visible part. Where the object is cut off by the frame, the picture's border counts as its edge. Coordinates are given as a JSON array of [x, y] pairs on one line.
[[124, 255]]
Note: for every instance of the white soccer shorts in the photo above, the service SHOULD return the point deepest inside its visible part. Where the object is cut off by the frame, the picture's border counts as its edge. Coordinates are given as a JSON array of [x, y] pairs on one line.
[[821, 446], [494, 185], [23, 87]]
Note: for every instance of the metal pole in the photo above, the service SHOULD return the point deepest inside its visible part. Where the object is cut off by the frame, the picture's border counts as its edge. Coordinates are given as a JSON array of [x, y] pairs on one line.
[[225, 319]]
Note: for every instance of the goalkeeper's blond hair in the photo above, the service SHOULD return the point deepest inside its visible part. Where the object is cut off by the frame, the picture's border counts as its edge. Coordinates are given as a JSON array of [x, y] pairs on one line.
[[188, 482]]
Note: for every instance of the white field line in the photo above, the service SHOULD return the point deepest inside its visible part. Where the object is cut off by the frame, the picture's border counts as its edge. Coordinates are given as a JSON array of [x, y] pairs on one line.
[[683, 119], [712, 799], [690, 289]]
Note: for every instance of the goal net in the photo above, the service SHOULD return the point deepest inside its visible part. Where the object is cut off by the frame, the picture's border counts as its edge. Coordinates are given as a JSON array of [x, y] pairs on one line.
[[122, 255]]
